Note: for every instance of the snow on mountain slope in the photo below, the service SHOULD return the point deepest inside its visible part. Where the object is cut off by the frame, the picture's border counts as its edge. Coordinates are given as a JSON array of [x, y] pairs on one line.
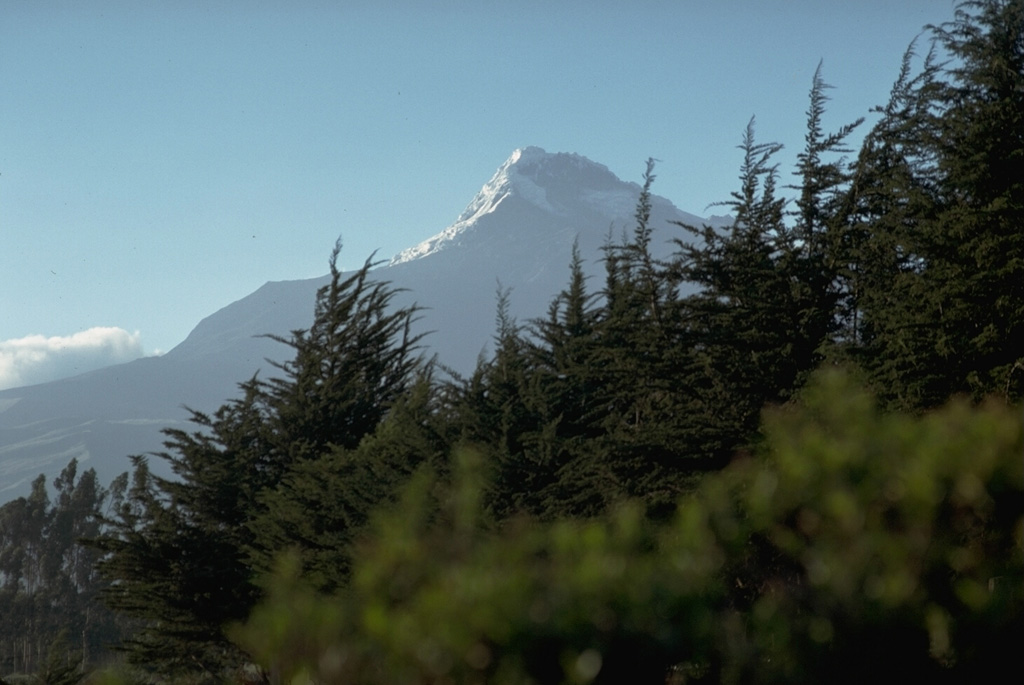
[[569, 188], [517, 233]]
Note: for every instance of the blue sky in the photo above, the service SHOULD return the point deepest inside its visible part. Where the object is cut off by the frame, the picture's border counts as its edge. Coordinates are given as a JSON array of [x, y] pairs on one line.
[[159, 160]]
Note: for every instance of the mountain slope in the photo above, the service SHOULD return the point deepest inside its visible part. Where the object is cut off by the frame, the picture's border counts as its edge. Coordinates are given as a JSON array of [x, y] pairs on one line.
[[517, 233]]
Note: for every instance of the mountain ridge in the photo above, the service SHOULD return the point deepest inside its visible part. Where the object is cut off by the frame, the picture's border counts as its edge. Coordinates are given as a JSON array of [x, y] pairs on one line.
[[517, 233]]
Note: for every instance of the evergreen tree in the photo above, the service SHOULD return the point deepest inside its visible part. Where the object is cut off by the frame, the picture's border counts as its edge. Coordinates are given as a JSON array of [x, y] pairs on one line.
[[322, 504], [355, 360], [348, 371], [767, 305], [737, 325], [23, 527], [892, 195], [532, 409], [175, 550], [938, 205], [183, 555], [565, 388], [975, 253], [176, 577], [492, 411], [642, 398], [813, 257], [48, 583]]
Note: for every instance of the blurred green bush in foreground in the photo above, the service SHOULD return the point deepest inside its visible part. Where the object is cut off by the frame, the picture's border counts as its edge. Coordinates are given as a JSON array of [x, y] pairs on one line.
[[856, 545]]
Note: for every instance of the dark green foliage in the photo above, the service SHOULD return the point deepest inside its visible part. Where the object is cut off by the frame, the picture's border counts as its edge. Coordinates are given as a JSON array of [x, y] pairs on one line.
[[349, 371], [738, 324], [822, 176], [322, 504], [881, 534], [493, 410], [588, 405], [642, 393], [976, 252], [638, 391], [891, 194], [62, 665], [766, 308], [48, 582], [940, 208], [296, 462], [174, 550], [568, 474], [855, 535]]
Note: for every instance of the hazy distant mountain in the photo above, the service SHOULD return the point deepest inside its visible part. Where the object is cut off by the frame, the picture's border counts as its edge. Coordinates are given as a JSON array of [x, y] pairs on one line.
[[518, 231]]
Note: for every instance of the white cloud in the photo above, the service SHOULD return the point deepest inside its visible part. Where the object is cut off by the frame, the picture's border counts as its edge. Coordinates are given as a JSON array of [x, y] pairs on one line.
[[38, 359]]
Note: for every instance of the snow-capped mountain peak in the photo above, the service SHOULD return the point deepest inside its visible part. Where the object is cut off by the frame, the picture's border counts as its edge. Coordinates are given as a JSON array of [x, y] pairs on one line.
[[553, 182]]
